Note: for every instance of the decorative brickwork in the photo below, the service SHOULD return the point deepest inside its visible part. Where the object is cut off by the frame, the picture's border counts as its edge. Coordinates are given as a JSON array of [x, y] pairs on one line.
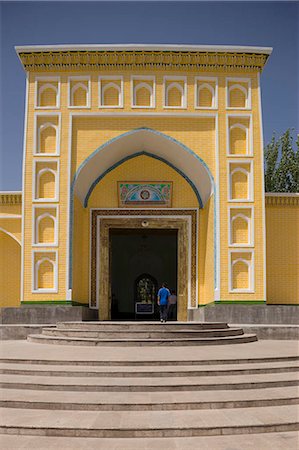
[[10, 199], [282, 199], [129, 60]]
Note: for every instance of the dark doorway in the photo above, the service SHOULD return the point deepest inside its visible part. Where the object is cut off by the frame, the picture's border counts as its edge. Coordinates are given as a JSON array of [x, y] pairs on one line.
[[140, 260]]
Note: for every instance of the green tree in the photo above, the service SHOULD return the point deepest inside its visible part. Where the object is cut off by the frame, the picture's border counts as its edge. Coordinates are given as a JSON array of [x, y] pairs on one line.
[[282, 164]]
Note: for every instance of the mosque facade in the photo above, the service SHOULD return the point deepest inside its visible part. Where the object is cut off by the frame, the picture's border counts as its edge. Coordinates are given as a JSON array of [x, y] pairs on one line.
[[144, 164]]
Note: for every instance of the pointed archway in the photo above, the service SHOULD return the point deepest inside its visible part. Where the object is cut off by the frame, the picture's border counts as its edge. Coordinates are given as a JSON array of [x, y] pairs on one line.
[[151, 143]]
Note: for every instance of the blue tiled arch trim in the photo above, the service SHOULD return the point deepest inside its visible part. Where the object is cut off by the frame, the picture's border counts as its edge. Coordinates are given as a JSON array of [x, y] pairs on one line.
[[135, 155], [93, 185]]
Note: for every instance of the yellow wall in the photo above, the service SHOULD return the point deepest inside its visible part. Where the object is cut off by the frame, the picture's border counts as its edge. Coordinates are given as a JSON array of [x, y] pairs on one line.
[[198, 133], [48, 98], [10, 271], [10, 249], [205, 97], [282, 225], [206, 254]]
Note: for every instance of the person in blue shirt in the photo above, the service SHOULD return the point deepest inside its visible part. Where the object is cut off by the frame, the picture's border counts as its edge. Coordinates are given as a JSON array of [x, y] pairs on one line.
[[163, 295]]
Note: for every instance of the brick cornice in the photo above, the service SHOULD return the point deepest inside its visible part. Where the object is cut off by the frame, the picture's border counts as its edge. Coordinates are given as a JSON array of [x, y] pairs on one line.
[[282, 199], [66, 60], [10, 199]]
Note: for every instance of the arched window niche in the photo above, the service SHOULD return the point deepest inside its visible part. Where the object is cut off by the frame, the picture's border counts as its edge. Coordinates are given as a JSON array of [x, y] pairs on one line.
[[110, 92], [45, 230], [47, 93], [238, 140], [143, 95], [241, 271], [240, 181], [45, 274], [79, 95], [240, 230], [238, 93], [47, 134], [206, 93], [240, 275], [175, 92], [143, 91], [79, 92], [47, 96], [205, 96], [239, 184], [45, 271], [47, 139], [110, 95], [237, 96], [46, 187]]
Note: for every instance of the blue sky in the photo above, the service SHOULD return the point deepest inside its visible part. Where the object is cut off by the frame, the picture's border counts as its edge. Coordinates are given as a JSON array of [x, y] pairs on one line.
[[271, 24]]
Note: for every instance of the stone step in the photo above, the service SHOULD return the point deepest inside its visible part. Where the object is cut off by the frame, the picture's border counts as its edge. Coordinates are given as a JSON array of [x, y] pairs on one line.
[[42, 339], [144, 371], [138, 334], [268, 441], [271, 331], [20, 331], [148, 384], [121, 424], [141, 326], [152, 401], [150, 362]]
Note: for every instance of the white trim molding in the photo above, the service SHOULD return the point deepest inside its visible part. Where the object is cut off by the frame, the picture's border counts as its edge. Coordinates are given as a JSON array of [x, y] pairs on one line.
[[11, 235], [207, 115], [10, 216], [263, 185], [23, 185], [68, 293], [48, 85], [79, 84], [237, 85], [250, 265], [35, 267], [206, 83], [174, 83], [112, 83], [148, 47], [151, 87]]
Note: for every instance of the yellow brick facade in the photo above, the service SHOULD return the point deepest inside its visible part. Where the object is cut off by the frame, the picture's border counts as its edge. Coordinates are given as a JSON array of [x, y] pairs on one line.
[[282, 218], [207, 110]]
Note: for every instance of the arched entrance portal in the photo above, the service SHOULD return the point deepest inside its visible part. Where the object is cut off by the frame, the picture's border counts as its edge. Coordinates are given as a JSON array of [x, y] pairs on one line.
[[94, 199]]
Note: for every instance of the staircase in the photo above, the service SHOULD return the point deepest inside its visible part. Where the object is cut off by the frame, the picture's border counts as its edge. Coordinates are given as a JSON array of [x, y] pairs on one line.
[[142, 334], [148, 397]]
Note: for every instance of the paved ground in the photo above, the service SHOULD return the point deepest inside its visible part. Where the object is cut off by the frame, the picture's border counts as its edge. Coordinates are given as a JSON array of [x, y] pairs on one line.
[[269, 441]]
